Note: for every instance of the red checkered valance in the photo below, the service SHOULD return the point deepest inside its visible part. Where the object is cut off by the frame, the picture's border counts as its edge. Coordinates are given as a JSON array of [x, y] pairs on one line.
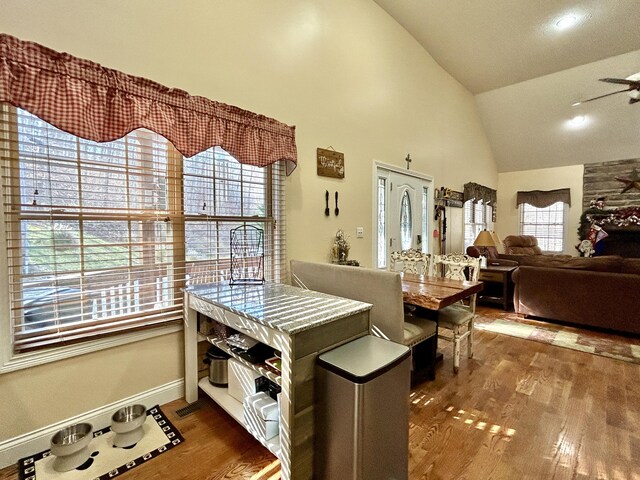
[[100, 104]]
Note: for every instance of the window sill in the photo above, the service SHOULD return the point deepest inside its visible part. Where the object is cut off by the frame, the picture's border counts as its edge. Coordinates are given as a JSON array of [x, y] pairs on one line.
[[34, 359]]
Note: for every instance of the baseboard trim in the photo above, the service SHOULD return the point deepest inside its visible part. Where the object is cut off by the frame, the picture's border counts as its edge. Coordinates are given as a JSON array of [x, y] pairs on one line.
[[15, 448]]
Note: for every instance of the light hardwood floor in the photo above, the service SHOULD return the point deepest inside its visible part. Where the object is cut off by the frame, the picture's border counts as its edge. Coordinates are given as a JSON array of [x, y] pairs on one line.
[[518, 410]]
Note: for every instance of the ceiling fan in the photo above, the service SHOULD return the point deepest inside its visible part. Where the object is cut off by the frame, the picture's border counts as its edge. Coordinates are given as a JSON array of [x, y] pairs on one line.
[[633, 88]]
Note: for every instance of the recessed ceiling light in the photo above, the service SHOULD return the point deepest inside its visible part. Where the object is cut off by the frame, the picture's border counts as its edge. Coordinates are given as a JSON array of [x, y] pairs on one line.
[[566, 22], [577, 123], [577, 120]]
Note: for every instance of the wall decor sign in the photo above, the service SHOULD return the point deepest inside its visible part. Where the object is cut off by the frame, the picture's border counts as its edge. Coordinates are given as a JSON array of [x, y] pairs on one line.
[[455, 199], [450, 198], [330, 163]]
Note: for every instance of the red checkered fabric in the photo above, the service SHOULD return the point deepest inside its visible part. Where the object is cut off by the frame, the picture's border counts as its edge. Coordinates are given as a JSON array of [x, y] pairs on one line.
[[100, 104]]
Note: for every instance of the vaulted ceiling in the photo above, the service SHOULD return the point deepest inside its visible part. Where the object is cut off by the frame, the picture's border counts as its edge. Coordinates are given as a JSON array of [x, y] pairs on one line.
[[526, 72]]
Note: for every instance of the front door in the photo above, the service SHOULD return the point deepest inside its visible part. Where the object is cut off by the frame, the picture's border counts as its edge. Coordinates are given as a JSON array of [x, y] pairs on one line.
[[403, 206]]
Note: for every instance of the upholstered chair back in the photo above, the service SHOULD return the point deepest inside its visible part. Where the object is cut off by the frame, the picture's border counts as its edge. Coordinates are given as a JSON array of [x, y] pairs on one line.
[[380, 288], [521, 245]]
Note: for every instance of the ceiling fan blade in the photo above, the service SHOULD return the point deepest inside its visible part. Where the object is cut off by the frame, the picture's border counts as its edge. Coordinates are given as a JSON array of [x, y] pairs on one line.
[[622, 81], [602, 96], [634, 100]]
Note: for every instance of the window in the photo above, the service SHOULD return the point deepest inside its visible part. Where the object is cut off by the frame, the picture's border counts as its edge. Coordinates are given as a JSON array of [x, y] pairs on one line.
[[546, 224], [477, 217], [220, 195], [101, 237], [382, 222]]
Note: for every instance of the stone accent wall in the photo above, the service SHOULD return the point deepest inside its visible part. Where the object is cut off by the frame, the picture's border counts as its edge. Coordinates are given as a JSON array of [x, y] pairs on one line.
[[600, 181]]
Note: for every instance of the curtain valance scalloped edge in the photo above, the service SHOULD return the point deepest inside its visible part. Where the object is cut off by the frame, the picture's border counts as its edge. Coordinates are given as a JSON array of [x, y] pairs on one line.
[[477, 192], [97, 103], [544, 198]]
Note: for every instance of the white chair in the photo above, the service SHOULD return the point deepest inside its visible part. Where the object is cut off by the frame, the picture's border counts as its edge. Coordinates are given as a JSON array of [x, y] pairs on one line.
[[410, 261], [458, 318]]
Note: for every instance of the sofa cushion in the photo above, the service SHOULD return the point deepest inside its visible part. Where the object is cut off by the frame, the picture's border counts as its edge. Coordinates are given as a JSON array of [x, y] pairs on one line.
[[631, 265], [610, 263]]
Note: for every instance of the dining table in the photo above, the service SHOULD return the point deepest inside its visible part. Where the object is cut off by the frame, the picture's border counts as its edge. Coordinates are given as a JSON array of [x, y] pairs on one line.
[[430, 294], [434, 293]]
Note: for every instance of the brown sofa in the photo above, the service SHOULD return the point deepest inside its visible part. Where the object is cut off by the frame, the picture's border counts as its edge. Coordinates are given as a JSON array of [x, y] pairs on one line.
[[598, 292]]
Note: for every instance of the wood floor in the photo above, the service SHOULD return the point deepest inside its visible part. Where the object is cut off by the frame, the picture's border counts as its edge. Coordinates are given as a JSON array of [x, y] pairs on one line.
[[518, 410]]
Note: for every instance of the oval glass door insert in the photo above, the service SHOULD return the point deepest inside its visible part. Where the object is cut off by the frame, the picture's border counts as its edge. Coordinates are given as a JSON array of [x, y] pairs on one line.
[[405, 221]]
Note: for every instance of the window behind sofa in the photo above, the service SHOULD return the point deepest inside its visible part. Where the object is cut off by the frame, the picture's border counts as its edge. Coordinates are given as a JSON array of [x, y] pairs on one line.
[[101, 237], [477, 217], [546, 224]]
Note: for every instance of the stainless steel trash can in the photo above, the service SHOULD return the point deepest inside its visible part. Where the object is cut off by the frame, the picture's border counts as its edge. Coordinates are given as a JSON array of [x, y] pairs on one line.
[[362, 422]]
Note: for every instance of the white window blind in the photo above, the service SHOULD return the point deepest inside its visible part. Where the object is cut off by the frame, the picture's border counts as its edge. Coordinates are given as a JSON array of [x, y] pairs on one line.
[[546, 224], [101, 237], [476, 218], [222, 194]]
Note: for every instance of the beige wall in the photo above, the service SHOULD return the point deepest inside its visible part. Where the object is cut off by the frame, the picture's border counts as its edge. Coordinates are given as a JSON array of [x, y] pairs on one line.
[[39, 396], [508, 219], [342, 71]]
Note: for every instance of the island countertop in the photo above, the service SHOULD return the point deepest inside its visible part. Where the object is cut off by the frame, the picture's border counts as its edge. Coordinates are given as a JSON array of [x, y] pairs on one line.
[[282, 307]]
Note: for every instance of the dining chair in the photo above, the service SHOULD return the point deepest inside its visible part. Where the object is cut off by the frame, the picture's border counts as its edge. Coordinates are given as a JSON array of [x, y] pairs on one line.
[[458, 318], [410, 261]]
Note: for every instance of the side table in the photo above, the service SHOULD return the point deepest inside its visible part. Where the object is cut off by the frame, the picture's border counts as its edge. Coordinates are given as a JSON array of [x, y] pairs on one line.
[[498, 285]]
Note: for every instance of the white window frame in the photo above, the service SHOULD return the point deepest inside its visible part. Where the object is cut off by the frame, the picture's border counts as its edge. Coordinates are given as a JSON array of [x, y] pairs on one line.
[[485, 222], [10, 361], [542, 238]]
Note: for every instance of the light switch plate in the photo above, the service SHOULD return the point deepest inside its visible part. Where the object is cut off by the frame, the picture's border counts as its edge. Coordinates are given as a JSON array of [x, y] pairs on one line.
[[359, 232]]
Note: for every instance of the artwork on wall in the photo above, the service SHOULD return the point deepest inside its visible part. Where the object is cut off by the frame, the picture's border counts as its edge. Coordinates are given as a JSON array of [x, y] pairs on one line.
[[450, 198], [632, 181], [330, 163]]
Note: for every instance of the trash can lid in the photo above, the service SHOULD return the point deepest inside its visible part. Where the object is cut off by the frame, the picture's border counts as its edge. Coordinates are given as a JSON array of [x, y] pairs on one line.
[[364, 359]]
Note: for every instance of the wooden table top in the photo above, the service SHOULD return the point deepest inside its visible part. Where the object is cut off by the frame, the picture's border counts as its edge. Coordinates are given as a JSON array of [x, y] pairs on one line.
[[435, 293]]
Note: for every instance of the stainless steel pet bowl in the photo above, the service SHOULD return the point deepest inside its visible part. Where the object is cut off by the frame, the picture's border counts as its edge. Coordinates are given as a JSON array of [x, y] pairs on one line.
[[127, 424], [71, 446]]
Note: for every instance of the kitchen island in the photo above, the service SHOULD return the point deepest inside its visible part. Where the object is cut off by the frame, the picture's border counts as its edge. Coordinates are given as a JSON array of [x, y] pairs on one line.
[[299, 323]]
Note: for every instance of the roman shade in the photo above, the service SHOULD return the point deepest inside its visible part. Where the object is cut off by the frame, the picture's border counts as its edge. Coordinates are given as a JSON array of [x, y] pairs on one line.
[[97, 103]]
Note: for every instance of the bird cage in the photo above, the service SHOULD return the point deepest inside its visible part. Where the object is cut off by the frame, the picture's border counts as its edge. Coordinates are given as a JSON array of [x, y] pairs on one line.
[[247, 255]]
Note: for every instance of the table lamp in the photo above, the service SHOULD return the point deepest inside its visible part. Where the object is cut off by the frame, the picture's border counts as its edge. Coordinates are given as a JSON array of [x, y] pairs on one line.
[[497, 240], [484, 240]]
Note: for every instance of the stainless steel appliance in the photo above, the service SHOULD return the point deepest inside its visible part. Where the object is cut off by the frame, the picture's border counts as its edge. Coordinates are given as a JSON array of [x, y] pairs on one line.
[[217, 360]]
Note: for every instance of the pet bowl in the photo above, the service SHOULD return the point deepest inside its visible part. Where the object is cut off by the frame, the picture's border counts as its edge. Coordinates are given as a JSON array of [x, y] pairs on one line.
[[71, 446], [127, 423]]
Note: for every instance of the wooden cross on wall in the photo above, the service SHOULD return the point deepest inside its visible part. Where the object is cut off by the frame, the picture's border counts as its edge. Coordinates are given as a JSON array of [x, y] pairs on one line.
[[408, 160]]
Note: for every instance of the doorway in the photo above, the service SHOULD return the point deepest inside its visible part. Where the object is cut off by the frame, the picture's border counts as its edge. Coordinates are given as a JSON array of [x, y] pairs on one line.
[[404, 202]]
